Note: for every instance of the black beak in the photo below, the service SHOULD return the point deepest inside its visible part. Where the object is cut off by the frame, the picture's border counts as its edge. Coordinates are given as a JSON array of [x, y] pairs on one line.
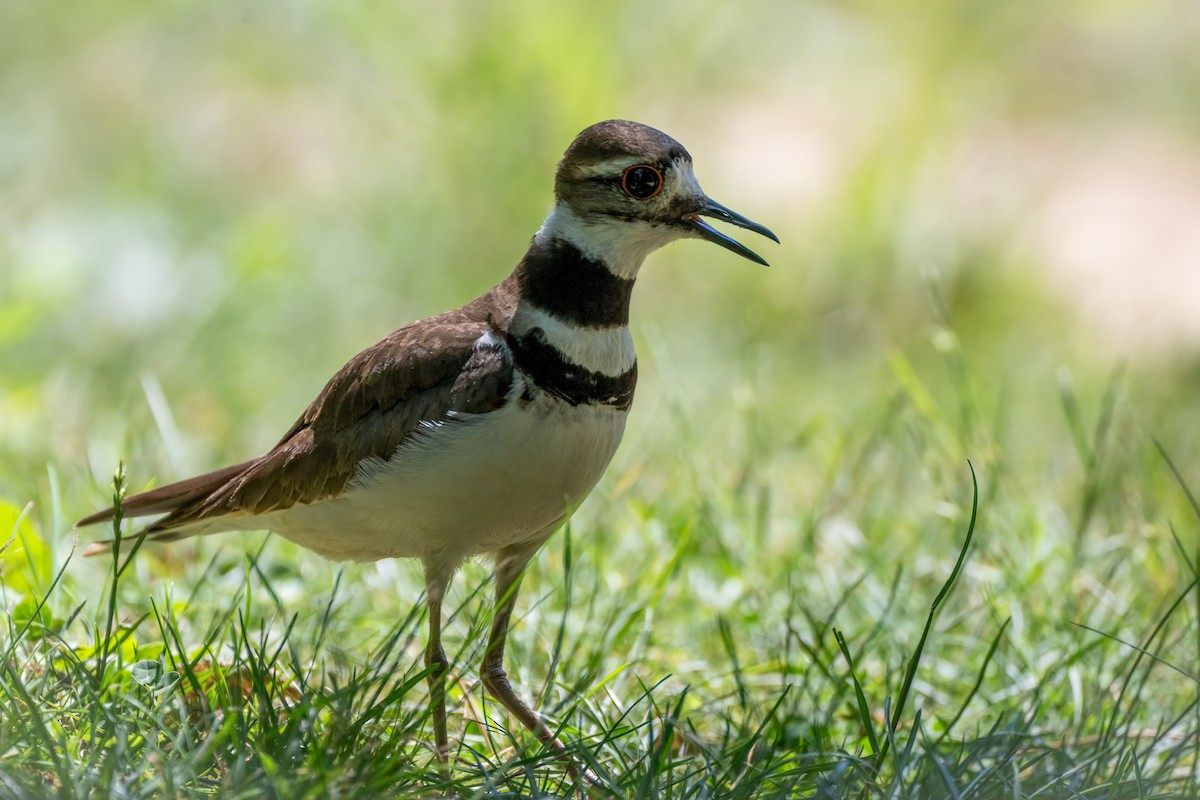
[[712, 208]]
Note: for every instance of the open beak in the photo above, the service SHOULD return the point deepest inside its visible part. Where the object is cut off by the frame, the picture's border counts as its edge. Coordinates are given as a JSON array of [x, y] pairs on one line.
[[712, 208]]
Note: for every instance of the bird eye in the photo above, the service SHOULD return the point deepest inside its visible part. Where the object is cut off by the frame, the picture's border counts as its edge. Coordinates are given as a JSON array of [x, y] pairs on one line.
[[642, 182]]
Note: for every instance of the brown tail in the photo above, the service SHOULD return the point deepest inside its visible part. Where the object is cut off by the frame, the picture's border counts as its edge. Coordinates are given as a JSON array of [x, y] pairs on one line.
[[162, 500]]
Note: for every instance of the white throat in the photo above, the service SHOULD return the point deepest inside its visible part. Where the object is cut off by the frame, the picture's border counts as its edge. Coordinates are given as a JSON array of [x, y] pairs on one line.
[[619, 244]]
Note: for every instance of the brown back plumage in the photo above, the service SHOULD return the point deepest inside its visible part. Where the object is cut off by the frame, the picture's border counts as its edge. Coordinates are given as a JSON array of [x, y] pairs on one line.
[[365, 411]]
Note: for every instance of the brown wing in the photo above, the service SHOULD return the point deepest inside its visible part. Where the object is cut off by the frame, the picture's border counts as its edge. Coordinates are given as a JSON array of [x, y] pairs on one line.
[[418, 373]]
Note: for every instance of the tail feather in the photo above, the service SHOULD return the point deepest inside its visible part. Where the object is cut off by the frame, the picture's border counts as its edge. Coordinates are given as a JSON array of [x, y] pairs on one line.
[[164, 500], [106, 546]]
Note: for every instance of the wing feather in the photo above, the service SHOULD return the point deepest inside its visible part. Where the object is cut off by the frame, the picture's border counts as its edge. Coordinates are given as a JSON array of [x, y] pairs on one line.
[[421, 372]]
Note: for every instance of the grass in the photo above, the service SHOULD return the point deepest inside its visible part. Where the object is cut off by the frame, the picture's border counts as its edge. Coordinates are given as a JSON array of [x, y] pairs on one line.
[[891, 519], [856, 674]]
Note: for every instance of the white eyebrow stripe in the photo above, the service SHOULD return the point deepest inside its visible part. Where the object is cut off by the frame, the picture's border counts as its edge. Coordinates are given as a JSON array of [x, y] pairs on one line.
[[611, 167]]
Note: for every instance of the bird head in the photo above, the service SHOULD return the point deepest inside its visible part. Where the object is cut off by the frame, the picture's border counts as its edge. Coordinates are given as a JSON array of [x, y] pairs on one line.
[[624, 189]]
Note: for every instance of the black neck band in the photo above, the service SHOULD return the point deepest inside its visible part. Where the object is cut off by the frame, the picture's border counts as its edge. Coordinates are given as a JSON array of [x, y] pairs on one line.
[[554, 375], [559, 279]]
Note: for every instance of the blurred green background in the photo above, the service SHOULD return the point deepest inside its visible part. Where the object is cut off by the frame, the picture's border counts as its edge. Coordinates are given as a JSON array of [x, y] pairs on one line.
[[208, 207]]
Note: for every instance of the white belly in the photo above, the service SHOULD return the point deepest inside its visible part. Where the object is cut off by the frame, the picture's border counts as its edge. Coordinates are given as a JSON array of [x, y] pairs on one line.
[[465, 487]]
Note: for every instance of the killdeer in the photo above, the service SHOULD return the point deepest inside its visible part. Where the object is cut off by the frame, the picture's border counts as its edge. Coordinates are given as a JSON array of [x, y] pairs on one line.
[[478, 431]]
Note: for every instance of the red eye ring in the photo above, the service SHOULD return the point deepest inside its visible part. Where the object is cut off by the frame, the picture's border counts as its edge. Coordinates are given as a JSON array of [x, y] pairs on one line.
[[642, 181]]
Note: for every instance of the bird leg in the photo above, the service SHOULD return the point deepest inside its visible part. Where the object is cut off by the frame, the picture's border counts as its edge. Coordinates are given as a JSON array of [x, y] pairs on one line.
[[435, 657], [510, 566]]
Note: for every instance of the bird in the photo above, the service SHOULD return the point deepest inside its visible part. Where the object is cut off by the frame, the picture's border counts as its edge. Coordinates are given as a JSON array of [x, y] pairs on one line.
[[477, 432]]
